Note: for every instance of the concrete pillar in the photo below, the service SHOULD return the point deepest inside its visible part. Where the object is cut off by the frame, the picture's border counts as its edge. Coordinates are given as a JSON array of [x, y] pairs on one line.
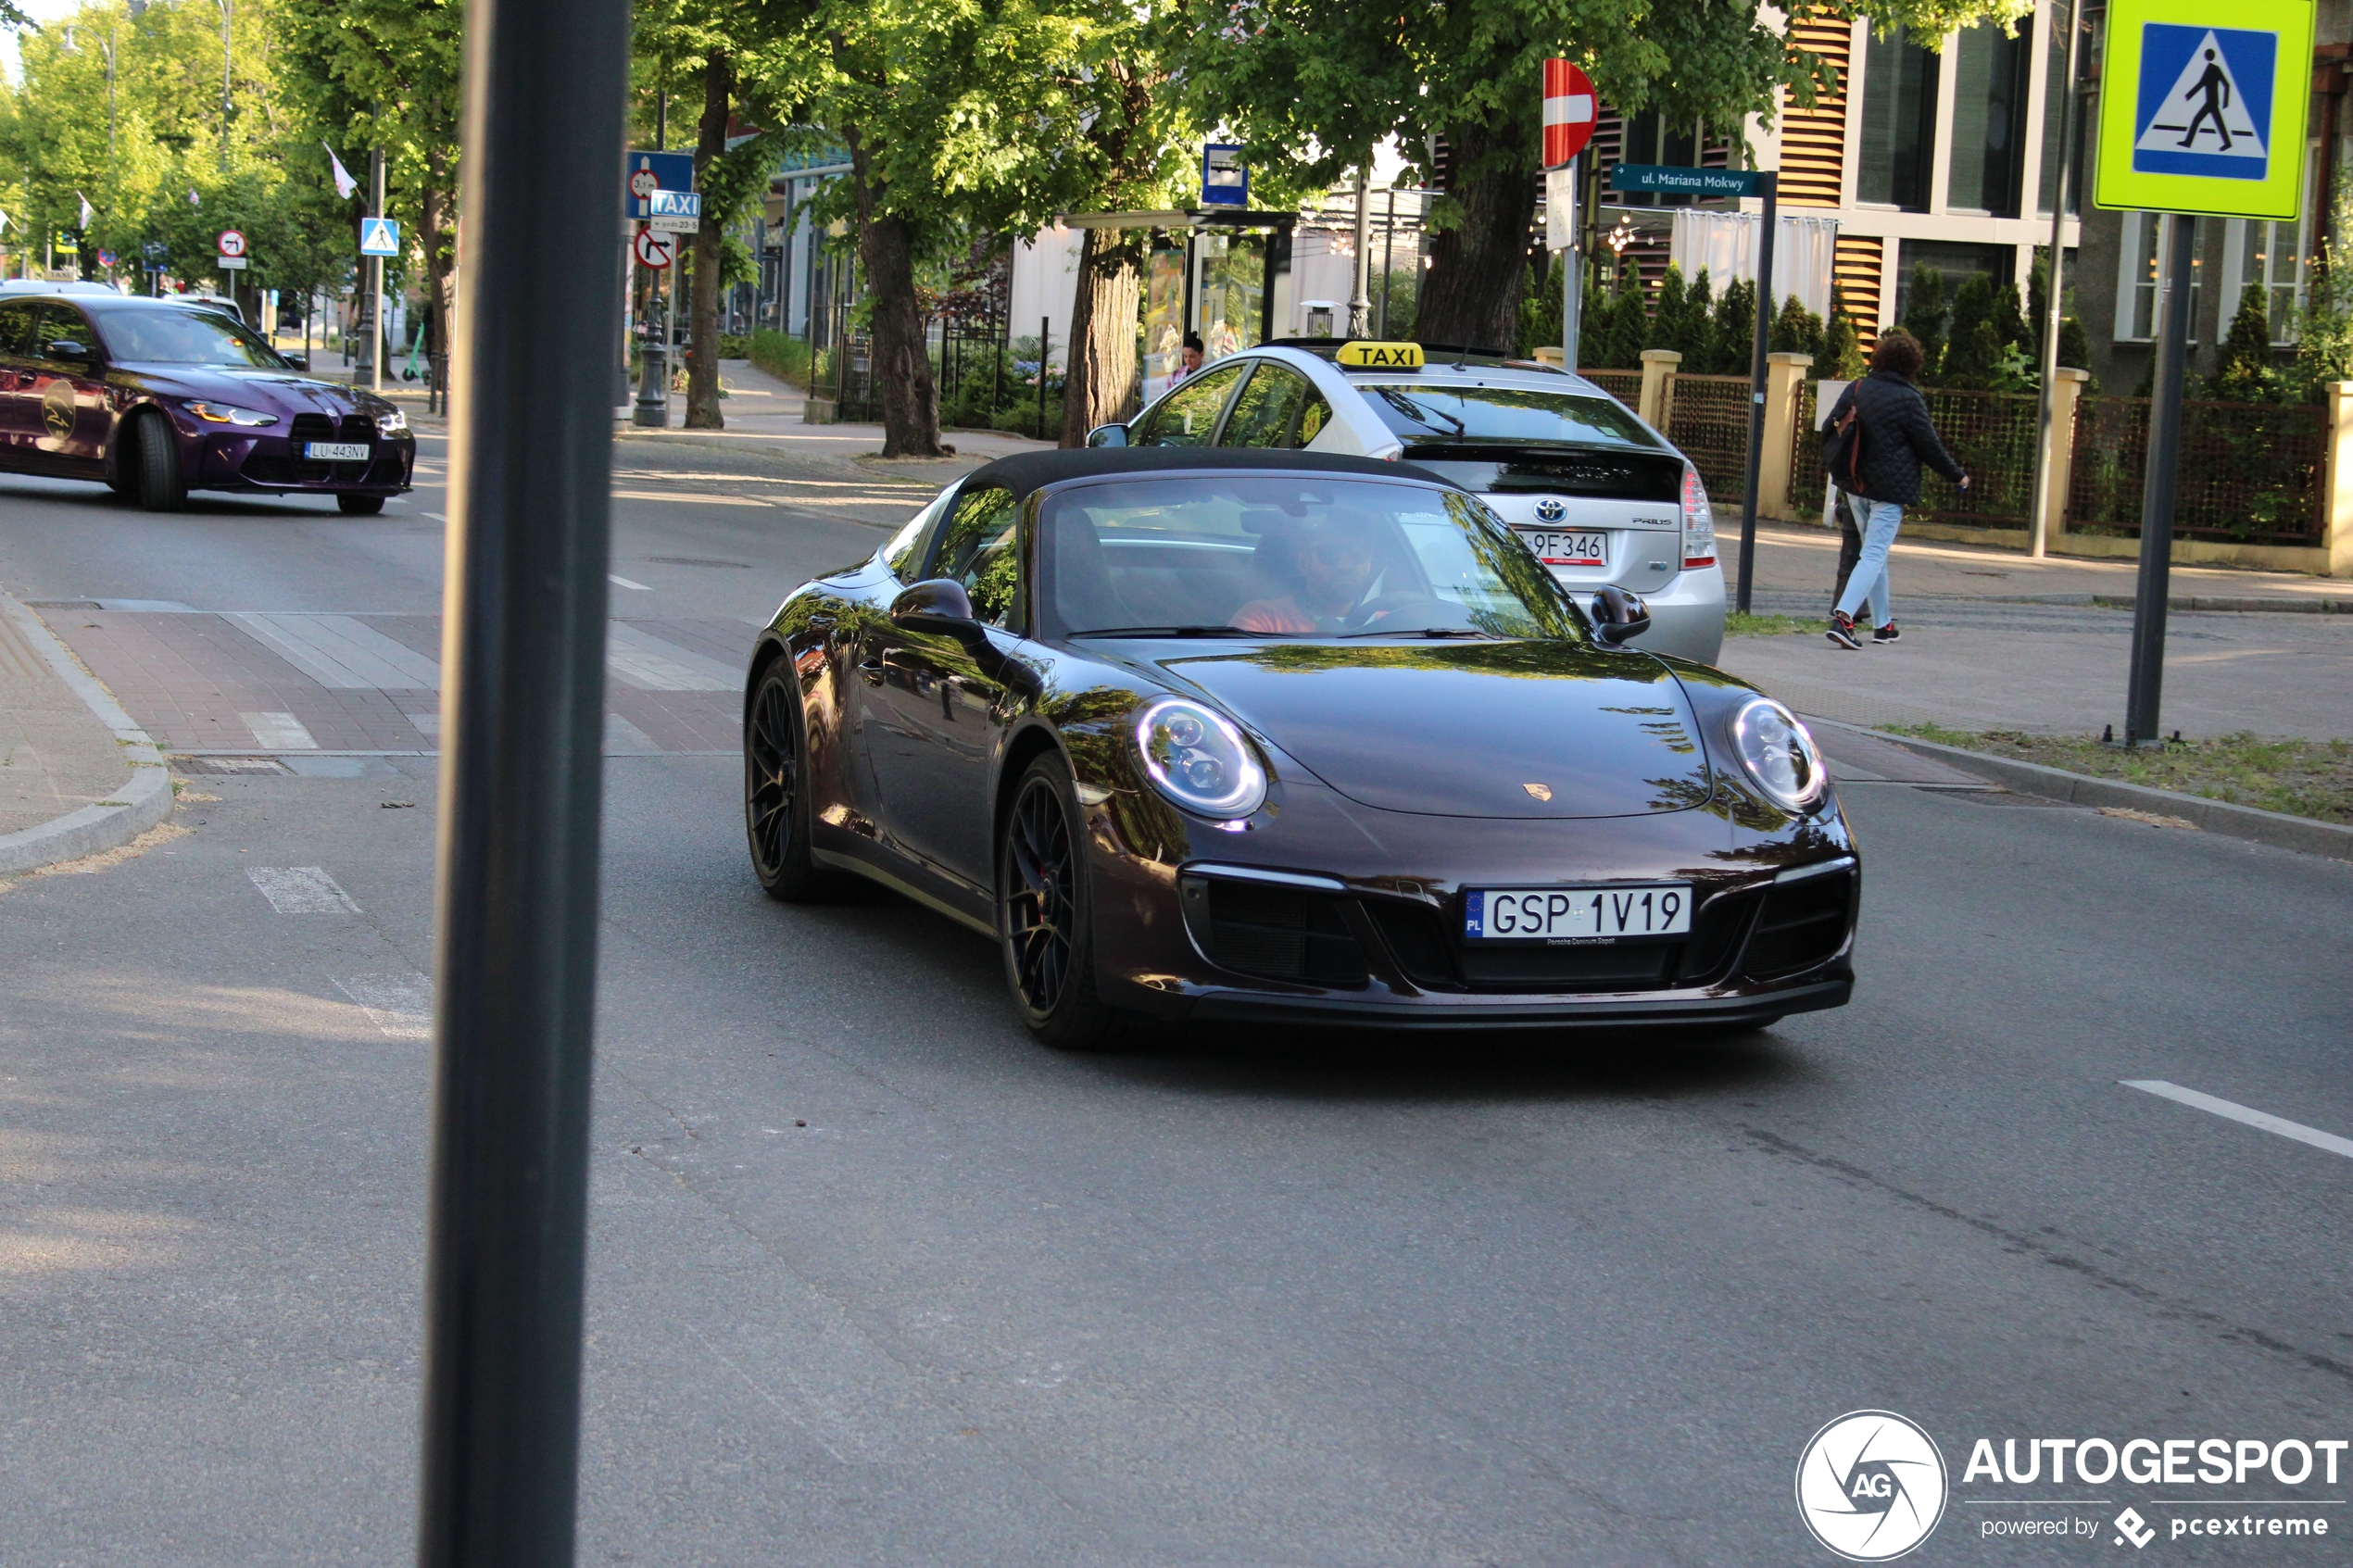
[[1784, 381], [2336, 479], [2058, 464], [1658, 387]]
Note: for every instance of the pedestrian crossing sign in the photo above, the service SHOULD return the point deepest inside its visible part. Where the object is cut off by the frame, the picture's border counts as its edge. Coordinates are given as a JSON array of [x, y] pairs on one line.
[[379, 237], [2203, 109]]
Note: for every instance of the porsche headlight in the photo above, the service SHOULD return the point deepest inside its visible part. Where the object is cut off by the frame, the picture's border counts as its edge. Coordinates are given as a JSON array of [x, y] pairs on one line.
[[1778, 754], [392, 422], [1197, 758], [222, 414]]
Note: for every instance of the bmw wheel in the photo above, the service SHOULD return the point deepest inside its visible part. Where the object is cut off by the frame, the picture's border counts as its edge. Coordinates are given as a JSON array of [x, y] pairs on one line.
[[1045, 911], [162, 487]]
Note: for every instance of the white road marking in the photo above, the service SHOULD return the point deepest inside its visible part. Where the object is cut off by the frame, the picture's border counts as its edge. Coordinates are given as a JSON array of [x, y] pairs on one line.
[[624, 583], [2237, 1112], [279, 732], [691, 497], [340, 651], [401, 1005], [651, 665], [301, 890]]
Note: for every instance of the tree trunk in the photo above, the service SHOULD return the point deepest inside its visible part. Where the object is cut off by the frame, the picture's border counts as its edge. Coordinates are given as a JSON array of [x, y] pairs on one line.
[[1471, 297], [441, 291], [1100, 386], [703, 320], [902, 371]]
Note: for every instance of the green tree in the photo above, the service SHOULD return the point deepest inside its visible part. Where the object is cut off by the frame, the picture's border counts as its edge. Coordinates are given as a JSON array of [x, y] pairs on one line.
[[1842, 357], [1973, 348], [1924, 315], [1696, 333], [1666, 317], [1796, 331], [2246, 370], [1732, 337]]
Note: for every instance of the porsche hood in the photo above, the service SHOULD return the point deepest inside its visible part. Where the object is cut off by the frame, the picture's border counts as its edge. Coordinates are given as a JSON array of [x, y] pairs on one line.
[[1492, 729]]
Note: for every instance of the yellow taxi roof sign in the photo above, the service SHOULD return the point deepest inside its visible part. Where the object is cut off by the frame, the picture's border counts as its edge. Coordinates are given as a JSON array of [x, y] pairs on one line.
[[1379, 356]]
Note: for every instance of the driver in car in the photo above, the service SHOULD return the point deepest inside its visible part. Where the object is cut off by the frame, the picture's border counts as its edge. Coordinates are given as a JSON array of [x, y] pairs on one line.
[[1331, 573]]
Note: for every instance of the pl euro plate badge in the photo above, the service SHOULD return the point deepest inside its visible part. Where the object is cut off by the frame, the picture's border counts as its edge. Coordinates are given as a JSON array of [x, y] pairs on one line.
[[334, 451], [1575, 914]]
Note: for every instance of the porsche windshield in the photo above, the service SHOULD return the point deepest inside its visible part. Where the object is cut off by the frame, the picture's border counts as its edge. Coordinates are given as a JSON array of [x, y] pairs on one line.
[[1513, 416], [1294, 555], [171, 335]]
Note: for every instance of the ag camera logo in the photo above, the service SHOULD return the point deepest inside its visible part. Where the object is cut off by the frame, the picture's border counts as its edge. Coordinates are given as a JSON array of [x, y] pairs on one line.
[[1871, 1486]]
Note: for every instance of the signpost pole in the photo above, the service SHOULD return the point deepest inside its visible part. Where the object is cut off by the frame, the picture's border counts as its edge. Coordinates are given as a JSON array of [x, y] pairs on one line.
[[1572, 296], [2147, 680], [1767, 182], [515, 952], [2052, 308]]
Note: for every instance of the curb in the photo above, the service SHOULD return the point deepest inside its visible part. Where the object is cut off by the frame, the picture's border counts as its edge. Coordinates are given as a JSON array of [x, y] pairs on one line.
[[138, 806], [2252, 823]]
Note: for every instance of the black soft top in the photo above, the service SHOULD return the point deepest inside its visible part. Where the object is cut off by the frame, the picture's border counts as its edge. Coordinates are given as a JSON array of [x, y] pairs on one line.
[[1034, 470]]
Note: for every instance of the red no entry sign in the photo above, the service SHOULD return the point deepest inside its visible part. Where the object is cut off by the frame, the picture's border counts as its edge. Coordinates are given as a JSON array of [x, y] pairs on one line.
[[656, 249], [1570, 110]]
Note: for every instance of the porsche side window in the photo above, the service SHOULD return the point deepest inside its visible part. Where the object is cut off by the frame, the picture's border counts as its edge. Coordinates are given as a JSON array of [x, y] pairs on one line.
[[979, 550], [1266, 411], [1187, 416], [904, 554]]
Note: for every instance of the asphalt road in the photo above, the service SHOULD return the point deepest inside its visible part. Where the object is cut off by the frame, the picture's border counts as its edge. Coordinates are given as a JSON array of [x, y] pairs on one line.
[[874, 1280]]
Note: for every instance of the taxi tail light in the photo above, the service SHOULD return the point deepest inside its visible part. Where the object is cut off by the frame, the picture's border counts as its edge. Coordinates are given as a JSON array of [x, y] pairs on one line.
[[1699, 522]]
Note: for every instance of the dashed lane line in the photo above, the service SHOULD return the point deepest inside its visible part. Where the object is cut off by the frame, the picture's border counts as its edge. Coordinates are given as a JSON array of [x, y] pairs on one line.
[[2247, 1114], [301, 890]]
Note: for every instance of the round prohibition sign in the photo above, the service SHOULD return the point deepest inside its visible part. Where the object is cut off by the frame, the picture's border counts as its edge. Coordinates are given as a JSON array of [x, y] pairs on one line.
[[643, 184], [656, 249], [231, 242]]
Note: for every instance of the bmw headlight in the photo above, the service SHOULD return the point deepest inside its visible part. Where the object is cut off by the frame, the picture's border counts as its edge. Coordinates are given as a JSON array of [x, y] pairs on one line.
[[392, 422], [1779, 754], [1197, 758], [222, 414]]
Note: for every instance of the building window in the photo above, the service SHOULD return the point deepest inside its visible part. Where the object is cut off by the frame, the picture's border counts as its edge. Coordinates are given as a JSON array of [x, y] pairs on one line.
[[2054, 103], [2136, 291], [1957, 262], [1899, 123], [2271, 256], [1990, 78], [1652, 138]]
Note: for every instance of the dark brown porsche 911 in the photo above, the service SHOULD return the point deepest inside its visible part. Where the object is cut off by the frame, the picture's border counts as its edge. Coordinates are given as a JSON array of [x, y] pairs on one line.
[[1274, 735]]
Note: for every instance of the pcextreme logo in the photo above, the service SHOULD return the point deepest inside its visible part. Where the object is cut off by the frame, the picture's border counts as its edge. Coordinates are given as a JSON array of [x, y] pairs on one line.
[[1871, 1486]]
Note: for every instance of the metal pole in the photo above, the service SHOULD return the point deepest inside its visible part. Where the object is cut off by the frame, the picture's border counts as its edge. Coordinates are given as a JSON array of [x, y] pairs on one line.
[[1360, 304], [1045, 331], [1768, 183], [1388, 257], [530, 464], [2039, 534], [1572, 300], [376, 276], [2147, 680]]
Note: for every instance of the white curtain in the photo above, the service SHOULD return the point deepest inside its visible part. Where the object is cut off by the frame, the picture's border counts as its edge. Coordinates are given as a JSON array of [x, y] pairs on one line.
[[1725, 243]]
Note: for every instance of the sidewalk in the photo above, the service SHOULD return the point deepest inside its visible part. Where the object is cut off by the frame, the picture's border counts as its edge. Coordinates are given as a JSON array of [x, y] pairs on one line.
[[68, 785]]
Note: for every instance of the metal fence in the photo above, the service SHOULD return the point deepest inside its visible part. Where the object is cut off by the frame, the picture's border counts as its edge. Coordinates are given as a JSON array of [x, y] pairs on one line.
[[1991, 435], [1805, 476], [1624, 385], [2250, 472], [845, 367], [1708, 417]]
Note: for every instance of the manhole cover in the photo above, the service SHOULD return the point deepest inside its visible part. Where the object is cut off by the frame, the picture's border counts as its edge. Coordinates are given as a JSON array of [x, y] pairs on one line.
[[229, 765]]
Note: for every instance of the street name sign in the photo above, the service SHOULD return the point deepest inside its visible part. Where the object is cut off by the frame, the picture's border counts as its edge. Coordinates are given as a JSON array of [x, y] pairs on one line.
[[650, 173], [2205, 107], [656, 248], [1687, 181], [676, 213], [379, 237]]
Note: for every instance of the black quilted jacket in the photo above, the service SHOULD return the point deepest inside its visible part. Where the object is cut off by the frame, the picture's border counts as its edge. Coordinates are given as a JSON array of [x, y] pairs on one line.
[[1897, 438]]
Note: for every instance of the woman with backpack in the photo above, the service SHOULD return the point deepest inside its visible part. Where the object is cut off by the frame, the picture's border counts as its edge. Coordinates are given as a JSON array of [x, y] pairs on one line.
[[1880, 436]]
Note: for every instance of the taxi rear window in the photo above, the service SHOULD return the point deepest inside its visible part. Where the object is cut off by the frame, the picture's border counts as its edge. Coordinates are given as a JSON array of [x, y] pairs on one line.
[[1512, 416]]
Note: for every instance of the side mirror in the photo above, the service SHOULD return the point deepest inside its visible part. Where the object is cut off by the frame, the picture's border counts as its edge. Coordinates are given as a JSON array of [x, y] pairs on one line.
[[938, 604], [67, 349], [1619, 617], [297, 361], [1107, 435]]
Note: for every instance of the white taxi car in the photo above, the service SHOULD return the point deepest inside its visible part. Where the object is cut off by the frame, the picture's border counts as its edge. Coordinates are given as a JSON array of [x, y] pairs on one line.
[[1603, 500]]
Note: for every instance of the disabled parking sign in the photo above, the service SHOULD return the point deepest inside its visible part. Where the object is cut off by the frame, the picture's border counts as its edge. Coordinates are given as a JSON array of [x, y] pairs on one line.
[[2203, 107]]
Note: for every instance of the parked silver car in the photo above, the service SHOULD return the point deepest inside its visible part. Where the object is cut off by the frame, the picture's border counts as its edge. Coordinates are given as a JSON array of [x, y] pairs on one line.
[[1602, 498]]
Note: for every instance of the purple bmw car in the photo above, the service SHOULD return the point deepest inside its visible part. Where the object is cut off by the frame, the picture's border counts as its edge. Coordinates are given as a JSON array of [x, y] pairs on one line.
[[156, 399]]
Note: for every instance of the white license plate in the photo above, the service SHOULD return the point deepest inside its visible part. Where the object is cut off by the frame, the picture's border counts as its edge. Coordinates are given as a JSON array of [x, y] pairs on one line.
[[1523, 914], [1568, 549], [335, 451]]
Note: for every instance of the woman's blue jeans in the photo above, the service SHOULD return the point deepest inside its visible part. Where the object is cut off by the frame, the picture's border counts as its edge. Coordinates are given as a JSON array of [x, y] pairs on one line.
[[1879, 520]]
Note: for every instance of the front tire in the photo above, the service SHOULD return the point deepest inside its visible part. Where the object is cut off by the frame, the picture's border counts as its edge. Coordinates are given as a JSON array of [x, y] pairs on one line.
[[777, 813], [359, 506], [162, 487], [1045, 913]]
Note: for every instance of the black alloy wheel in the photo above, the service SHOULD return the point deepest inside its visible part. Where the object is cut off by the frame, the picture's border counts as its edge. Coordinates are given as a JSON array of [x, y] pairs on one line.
[[776, 807], [162, 487], [359, 506], [1045, 913]]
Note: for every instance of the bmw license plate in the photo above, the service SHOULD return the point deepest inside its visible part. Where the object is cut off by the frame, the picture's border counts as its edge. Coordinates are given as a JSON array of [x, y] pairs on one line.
[[335, 451], [1586, 548], [1559, 914]]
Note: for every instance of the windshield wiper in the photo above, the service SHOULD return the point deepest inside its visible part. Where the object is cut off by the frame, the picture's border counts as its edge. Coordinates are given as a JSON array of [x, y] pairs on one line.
[[1421, 632], [1173, 632]]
